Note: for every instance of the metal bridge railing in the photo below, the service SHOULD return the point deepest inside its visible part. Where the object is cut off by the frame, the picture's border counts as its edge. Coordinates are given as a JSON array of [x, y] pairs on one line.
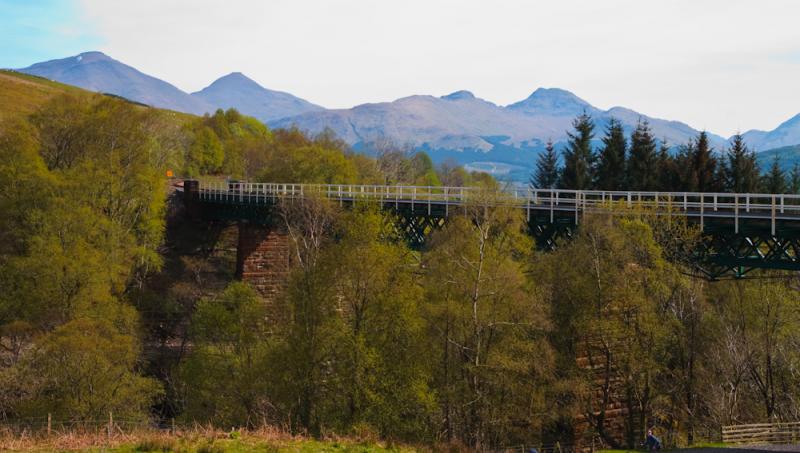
[[703, 205]]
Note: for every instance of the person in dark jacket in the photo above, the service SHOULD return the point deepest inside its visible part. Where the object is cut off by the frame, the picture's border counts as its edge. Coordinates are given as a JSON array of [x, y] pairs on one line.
[[652, 442]]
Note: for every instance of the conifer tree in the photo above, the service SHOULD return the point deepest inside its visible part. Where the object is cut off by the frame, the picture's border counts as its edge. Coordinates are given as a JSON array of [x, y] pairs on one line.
[[702, 166], [775, 180], [794, 179], [578, 156], [643, 161], [668, 173], [611, 161], [546, 175], [740, 170]]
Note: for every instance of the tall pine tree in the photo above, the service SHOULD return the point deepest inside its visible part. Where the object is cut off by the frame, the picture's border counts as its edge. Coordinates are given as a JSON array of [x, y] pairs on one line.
[[740, 168], [578, 156], [702, 172], [794, 180], [643, 161], [669, 179], [611, 161], [775, 180], [546, 175]]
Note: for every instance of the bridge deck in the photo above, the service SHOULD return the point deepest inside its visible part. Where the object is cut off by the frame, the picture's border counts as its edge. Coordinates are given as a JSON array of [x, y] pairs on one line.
[[779, 210], [741, 232]]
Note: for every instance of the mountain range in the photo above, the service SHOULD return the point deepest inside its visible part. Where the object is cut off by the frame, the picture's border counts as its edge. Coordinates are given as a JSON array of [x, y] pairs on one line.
[[459, 125], [467, 128], [96, 71]]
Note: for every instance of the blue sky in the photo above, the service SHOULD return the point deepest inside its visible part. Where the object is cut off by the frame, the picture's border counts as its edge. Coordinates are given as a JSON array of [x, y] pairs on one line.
[[34, 30], [720, 65]]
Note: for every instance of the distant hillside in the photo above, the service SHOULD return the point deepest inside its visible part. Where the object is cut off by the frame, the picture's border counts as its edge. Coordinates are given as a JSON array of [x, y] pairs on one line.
[[237, 91], [98, 72], [21, 94], [786, 134], [788, 156]]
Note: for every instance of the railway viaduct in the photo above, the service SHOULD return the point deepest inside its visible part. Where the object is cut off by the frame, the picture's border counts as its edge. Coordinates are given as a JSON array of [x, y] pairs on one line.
[[741, 233]]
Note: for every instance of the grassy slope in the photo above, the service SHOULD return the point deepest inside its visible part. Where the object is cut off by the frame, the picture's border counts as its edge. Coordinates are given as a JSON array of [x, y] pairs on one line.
[[21, 94]]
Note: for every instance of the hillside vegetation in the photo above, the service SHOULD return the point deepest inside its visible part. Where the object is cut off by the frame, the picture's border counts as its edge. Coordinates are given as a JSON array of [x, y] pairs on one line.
[[112, 303], [22, 94]]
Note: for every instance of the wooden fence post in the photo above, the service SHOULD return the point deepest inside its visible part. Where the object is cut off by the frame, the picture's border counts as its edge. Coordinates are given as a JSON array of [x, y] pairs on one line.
[[110, 424]]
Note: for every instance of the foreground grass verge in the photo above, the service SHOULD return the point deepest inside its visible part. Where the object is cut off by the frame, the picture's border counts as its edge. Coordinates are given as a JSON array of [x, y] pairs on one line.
[[194, 441]]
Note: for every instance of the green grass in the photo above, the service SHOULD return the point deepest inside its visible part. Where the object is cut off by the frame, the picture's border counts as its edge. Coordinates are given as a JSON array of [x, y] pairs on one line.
[[248, 445], [710, 445]]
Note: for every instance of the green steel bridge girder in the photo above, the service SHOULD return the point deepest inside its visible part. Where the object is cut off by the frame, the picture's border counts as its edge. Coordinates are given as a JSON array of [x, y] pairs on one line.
[[723, 252]]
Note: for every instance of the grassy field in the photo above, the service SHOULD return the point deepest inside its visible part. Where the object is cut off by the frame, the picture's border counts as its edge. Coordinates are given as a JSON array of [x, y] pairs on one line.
[[191, 441], [21, 94]]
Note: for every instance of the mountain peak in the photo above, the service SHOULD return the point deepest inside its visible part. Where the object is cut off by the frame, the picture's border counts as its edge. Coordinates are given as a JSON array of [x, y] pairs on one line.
[[237, 79], [236, 90], [458, 95], [236, 76], [552, 101], [92, 56]]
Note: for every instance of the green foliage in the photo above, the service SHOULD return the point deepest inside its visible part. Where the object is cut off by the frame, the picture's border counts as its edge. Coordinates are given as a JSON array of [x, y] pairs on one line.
[[643, 162], [700, 165], [612, 160], [794, 180], [205, 155], [83, 370], [424, 173], [618, 282], [486, 329], [310, 164], [382, 329], [355, 339], [579, 157], [224, 378], [25, 184], [546, 176], [740, 168], [669, 172], [775, 180], [83, 215]]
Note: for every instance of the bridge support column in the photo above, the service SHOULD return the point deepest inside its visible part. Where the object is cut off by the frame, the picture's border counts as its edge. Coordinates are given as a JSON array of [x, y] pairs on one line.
[[191, 192], [262, 258]]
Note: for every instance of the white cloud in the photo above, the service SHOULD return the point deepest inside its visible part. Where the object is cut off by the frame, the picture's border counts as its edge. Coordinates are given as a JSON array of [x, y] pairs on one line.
[[723, 65]]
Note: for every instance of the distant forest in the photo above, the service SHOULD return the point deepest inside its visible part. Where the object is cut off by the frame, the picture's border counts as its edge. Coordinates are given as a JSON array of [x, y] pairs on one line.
[[111, 301], [643, 163]]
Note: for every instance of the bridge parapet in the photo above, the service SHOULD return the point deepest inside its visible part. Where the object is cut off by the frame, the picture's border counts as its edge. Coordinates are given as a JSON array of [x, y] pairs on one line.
[[743, 231], [700, 205]]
